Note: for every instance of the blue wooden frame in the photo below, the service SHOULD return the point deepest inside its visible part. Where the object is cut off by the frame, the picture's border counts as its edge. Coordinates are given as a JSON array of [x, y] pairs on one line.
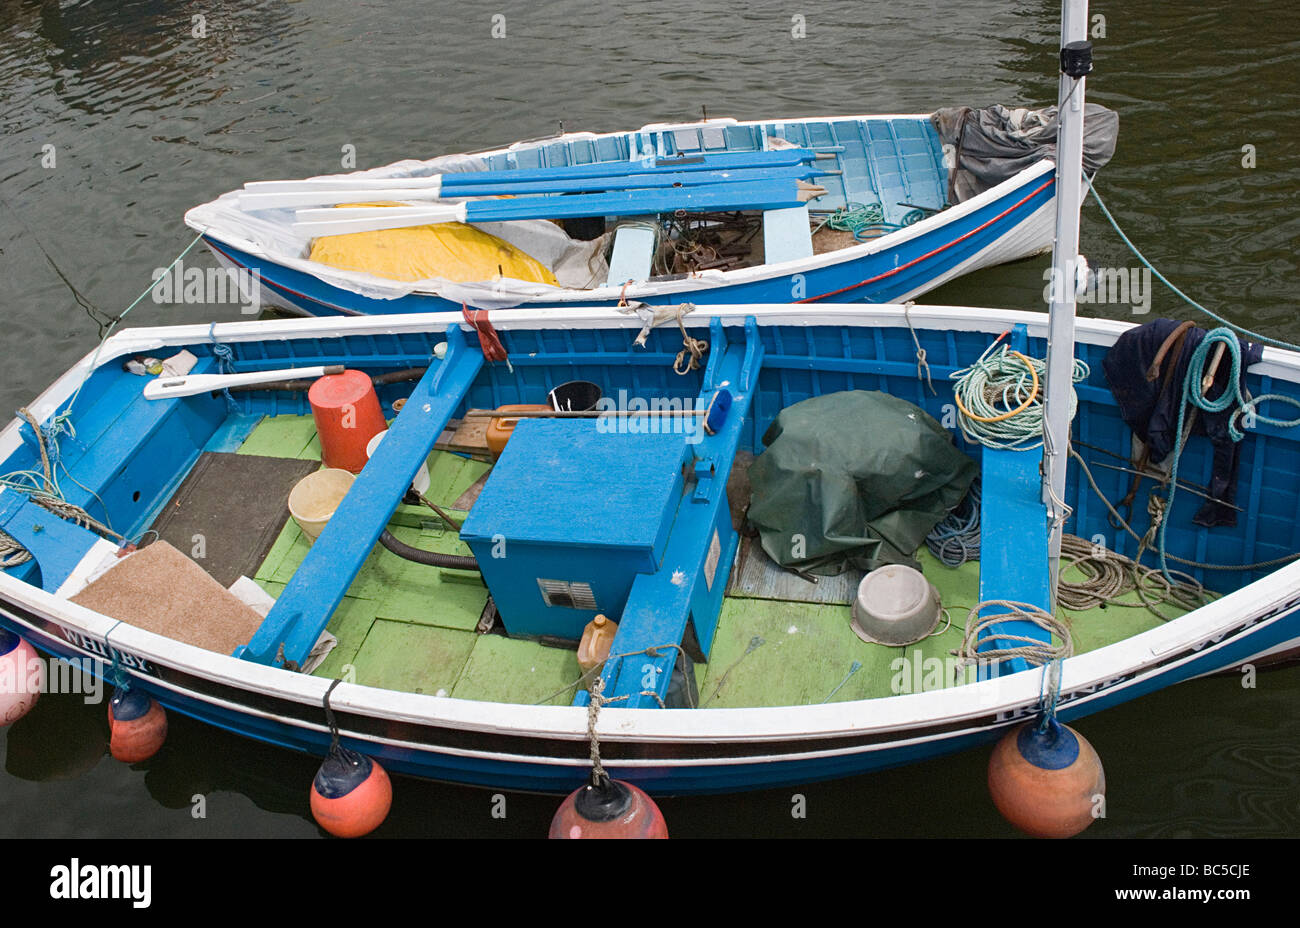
[[689, 586], [318, 586]]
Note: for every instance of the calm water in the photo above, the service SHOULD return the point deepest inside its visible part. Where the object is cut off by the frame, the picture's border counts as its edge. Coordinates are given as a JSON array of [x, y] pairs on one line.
[[147, 120]]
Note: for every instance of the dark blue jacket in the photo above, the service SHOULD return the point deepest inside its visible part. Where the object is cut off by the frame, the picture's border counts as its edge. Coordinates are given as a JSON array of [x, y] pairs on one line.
[[1151, 410]]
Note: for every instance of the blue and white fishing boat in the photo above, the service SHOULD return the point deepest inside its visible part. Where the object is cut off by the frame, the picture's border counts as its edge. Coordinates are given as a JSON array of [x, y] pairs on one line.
[[893, 206], [434, 698], [427, 618]]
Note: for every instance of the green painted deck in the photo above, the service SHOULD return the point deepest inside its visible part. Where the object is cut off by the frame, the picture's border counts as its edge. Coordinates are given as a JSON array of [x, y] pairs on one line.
[[410, 627]]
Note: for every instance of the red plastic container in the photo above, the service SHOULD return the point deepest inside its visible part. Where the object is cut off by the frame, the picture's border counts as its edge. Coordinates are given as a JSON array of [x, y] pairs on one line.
[[347, 415]]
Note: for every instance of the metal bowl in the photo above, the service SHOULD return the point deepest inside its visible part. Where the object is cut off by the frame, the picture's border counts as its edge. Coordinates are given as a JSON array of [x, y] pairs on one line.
[[895, 606]]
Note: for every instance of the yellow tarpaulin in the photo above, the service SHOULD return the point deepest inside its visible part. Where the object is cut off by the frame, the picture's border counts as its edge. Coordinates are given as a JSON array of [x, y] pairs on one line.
[[448, 250]]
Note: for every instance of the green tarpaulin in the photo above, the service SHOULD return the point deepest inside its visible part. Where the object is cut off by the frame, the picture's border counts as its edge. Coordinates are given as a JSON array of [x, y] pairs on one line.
[[854, 478]]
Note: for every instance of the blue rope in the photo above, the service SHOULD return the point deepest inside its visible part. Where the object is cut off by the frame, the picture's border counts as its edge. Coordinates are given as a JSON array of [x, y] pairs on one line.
[[956, 539], [225, 356]]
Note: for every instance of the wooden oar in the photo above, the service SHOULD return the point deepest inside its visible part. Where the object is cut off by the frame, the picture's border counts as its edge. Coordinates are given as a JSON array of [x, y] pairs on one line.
[[752, 196], [722, 161], [163, 387], [301, 198]]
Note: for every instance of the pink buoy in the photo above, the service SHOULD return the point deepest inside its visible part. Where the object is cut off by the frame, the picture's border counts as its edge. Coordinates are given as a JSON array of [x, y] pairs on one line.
[[606, 808], [22, 677]]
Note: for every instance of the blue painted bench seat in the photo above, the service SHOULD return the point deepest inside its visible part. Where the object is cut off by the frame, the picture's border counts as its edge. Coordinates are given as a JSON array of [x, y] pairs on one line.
[[1014, 538]]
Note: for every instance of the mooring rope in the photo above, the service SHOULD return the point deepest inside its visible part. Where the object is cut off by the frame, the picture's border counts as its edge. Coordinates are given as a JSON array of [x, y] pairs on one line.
[[1253, 336], [688, 359]]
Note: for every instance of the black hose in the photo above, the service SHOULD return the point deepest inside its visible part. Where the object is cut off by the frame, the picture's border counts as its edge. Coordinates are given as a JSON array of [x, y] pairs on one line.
[[431, 558], [302, 386]]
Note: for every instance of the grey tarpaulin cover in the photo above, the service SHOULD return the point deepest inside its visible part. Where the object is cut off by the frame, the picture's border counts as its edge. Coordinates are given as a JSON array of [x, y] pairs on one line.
[[861, 476], [984, 147]]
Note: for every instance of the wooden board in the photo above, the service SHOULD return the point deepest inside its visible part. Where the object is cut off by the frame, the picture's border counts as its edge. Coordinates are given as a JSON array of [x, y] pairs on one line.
[[466, 436]]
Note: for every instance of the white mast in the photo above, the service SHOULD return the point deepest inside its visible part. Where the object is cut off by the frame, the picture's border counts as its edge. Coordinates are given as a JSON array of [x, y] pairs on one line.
[[1065, 250]]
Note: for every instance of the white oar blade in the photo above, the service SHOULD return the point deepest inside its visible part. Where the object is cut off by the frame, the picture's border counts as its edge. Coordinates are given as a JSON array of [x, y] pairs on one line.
[[309, 184], [318, 222], [251, 202], [164, 387]]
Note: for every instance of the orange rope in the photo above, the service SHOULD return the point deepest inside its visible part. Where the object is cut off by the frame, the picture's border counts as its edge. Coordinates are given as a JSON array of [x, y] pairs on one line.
[[1006, 415]]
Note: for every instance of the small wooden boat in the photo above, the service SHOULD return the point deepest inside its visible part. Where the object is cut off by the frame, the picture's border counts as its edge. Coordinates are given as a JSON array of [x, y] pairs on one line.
[[785, 691], [877, 219]]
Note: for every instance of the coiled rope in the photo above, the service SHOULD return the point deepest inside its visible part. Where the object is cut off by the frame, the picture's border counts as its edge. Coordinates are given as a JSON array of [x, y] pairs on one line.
[[866, 220], [1109, 575], [1000, 398], [956, 539], [979, 631]]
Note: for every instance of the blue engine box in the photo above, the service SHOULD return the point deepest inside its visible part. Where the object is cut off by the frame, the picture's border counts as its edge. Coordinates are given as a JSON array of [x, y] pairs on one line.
[[568, 518]]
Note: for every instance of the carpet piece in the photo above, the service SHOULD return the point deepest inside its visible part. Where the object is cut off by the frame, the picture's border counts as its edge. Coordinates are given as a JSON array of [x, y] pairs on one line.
[[161, 590], [230, 509]]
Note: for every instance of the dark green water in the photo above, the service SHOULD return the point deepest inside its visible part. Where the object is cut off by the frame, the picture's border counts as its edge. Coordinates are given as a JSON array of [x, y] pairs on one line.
[[147, 120]]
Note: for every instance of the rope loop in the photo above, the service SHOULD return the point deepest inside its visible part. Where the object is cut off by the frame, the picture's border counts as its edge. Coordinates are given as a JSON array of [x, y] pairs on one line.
[[688, 359]]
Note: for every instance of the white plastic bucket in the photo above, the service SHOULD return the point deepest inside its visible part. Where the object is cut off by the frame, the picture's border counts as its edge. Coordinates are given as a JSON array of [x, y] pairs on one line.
[[421, 482], [315, 497]]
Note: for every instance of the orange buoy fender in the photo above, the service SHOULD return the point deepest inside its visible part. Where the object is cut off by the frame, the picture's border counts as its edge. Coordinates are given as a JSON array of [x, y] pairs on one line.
[[347, 415], [1046, 779], [137, 725], [608, 808], [22, 676], [351, 794]]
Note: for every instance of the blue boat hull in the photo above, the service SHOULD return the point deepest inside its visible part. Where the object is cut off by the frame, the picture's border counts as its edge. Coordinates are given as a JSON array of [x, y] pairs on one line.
[[688, 771]]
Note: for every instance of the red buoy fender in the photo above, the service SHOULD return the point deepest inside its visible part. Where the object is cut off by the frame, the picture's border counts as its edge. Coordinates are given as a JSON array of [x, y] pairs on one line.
[[351, 794], [137, 726], [1046, 779]]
